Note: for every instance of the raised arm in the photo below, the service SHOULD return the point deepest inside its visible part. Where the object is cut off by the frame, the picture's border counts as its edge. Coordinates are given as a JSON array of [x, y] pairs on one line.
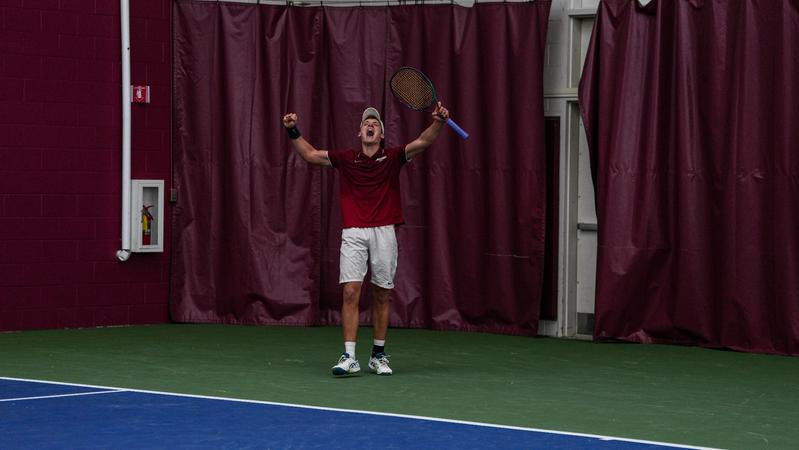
[[304, 148], [429, 135]]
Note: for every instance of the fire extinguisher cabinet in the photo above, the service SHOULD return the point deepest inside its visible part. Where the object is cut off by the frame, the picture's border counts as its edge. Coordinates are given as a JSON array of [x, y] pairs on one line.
[[147, 217]]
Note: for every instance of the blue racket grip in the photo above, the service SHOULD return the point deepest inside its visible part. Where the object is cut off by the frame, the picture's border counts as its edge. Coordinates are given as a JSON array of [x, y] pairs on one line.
[[457, 129]]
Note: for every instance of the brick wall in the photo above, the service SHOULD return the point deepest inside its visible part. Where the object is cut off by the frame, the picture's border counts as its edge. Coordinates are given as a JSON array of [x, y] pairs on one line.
[[60, 162]]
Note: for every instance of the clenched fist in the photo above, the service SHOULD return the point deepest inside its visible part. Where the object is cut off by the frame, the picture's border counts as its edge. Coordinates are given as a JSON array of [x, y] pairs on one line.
[[290, 120]]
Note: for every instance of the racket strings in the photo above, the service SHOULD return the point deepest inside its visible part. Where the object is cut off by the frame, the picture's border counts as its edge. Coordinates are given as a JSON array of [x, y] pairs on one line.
[[413, 89]]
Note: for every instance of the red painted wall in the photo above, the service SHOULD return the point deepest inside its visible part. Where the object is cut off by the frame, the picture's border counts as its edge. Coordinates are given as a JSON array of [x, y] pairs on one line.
[[60, 162]]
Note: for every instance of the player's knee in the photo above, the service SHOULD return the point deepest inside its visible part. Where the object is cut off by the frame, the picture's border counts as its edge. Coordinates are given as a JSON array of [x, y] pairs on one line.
[[352, 292], [381, 295]]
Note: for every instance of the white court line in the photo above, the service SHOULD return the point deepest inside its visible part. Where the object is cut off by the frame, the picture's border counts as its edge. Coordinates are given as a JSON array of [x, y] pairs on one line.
[[58, 395], [374, 413]]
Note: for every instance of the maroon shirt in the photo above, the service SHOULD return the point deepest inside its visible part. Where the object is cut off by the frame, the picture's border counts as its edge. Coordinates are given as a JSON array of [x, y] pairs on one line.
[[370, 188]]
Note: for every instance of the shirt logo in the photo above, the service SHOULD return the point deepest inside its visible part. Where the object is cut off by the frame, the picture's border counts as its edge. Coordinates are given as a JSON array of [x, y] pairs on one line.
[[381, 158]]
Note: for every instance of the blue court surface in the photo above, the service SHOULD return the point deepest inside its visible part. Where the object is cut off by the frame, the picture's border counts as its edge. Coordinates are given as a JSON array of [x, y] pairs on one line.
[[37, 414]]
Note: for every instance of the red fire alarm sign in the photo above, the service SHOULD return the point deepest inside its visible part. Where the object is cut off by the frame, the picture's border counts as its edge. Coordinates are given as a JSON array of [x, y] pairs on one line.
[[140, 94]]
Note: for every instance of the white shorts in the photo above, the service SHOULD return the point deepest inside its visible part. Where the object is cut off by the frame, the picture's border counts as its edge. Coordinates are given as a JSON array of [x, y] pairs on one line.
[[378, 246]]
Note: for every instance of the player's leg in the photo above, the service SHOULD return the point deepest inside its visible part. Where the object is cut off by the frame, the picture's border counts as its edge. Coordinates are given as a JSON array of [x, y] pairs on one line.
[[350, 311], [353, 264], [380, 311], [383, 251]]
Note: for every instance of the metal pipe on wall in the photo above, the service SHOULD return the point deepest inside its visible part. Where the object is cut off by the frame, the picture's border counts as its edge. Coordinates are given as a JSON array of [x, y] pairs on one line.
[[124, 14]]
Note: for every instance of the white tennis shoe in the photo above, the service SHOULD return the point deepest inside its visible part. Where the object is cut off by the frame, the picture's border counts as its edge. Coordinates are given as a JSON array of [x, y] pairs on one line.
[[346, 365], [379, 364]]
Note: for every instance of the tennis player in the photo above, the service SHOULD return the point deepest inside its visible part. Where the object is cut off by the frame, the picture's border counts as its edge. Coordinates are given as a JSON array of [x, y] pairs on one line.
[[370, 209]]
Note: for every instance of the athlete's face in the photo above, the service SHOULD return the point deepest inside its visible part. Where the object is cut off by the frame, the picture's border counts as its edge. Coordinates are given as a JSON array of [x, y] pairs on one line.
[[371, 132]]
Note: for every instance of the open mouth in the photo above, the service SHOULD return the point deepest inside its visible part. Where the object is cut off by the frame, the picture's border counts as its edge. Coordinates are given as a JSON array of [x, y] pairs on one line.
[[370, 132]]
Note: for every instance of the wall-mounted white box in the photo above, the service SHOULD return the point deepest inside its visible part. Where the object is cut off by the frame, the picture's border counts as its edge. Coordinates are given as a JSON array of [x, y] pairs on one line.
[[147, 216]]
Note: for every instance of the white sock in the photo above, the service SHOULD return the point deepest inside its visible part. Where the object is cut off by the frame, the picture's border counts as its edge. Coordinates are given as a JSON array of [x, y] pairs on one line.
[[379, 343], [349, 347]]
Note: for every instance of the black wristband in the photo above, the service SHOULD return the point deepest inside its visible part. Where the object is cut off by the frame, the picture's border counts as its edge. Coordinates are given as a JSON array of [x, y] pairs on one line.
[[294, 132]]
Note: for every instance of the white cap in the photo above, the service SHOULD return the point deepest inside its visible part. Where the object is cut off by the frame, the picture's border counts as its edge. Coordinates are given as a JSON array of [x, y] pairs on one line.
[[372, 112]]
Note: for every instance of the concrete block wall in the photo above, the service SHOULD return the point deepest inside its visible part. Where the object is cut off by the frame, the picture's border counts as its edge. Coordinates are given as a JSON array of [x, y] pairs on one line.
[[60, 162]]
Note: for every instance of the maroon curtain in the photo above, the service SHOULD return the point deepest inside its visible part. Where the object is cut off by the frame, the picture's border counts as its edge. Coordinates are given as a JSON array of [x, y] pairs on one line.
[[257, 230], [689, 108]]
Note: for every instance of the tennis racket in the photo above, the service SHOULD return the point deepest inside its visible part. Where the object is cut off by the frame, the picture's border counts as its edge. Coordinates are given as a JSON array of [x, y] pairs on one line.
[[414, 90]]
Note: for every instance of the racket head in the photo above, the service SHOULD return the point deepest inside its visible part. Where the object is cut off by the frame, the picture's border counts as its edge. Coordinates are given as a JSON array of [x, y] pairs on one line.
[[412, 88]]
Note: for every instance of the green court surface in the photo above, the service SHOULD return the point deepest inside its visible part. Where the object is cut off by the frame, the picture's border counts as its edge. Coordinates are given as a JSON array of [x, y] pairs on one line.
[[682, 395]]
